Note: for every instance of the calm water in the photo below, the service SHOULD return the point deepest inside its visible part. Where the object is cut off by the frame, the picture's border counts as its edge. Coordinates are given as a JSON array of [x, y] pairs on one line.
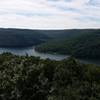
[[31, 52]]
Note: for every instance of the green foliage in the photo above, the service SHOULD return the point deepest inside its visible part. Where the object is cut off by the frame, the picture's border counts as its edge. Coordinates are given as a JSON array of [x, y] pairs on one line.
[[21, 38], [84, 43], [79, 43], [30, 78]]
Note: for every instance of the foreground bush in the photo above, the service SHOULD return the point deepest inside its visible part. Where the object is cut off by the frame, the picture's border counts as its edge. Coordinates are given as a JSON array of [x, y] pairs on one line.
[[30, 78]]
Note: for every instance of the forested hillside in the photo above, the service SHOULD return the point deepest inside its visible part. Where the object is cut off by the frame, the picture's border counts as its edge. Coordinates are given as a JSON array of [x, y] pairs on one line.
[[84, 43], [30, 78], [79, 43], [20, 38], [67, 33]]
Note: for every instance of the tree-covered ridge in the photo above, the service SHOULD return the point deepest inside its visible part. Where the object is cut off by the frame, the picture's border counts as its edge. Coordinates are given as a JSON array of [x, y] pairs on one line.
[[21, 38], [28, 37], [31, 78], [85, 45], [68, 33]]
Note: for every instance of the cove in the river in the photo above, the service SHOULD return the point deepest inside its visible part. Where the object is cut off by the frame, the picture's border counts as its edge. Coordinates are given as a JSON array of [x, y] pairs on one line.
[[32, 52]]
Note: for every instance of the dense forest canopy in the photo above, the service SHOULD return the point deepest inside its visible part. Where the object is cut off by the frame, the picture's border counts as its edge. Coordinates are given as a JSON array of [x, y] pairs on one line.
[[82, 43], [31, 78], [20, 38], [78, 43]]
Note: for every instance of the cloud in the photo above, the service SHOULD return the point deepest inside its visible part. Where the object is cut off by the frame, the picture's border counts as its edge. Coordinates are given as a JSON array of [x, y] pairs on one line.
[[50, 14], [94, 2]]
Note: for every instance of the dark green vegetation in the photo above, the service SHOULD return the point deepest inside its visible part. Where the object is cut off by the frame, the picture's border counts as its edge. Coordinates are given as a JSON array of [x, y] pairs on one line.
[[30, 78], [20, 38], [82, 43], [79, 43]]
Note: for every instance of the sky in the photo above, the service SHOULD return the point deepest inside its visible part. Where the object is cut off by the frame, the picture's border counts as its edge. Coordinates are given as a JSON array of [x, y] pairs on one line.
[[50, 14]]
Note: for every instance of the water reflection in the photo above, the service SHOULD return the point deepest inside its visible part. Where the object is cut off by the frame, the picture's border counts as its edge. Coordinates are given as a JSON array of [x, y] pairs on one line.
[[31, 52]]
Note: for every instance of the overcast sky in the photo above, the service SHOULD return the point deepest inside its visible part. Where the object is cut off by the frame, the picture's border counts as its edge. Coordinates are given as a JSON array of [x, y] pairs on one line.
[[50, 14]]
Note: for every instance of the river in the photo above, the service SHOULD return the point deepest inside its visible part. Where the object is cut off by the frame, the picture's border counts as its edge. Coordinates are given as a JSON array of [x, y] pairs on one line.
[[31, 52]]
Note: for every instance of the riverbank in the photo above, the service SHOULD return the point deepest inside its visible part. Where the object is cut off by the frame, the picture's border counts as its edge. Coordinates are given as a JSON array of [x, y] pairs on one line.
[[30, 51]]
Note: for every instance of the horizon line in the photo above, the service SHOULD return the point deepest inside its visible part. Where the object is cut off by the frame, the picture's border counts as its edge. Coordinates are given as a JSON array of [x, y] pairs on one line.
[[46, 28]]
